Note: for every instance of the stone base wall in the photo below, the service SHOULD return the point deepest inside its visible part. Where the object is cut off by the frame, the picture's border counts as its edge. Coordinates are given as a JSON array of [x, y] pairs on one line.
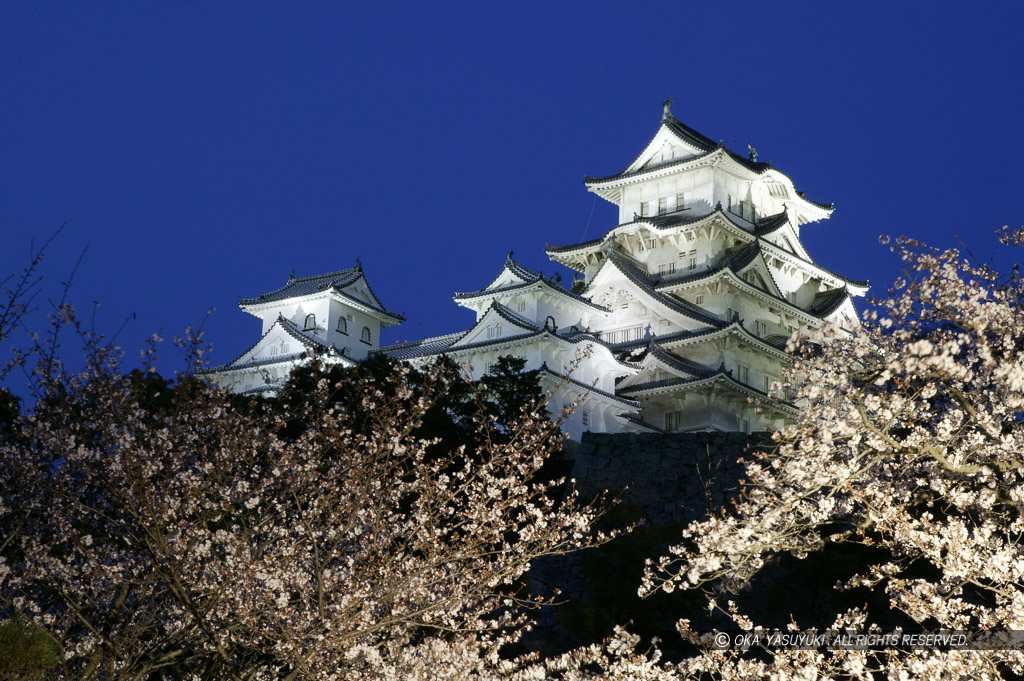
[[668, 480], [673, 478]]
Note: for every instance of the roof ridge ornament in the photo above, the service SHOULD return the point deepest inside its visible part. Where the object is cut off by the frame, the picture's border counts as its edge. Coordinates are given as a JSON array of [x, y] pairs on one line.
[[666, 109], [752, 152]]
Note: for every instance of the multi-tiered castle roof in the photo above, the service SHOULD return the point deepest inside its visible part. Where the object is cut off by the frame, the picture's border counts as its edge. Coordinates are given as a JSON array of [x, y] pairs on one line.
[[677, 318]]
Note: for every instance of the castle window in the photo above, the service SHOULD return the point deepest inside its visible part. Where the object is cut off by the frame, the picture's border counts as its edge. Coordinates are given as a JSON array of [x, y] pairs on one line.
[[662, 206], [645, 208], [667, 268], [342, 325], [586, 418], [624, 335], [521, 306], [745, 424], [699, 299], [365, 335], [310, 322], [673, 420], [680, 201], [692, 263], [760, 328], [652, 244], [743, 374]]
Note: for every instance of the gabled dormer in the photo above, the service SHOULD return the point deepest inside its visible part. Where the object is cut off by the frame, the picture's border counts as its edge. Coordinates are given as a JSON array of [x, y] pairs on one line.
[[672, 141], [496, 323], [540, 299]]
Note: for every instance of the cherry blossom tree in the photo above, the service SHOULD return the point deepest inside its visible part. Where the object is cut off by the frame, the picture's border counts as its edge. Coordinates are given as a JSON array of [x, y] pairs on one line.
[[910, 443], [164, 531]]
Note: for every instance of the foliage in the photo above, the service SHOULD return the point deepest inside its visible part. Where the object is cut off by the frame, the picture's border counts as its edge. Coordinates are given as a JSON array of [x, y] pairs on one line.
[[452, 418], [909, 444], [25, 651], [165, 530]]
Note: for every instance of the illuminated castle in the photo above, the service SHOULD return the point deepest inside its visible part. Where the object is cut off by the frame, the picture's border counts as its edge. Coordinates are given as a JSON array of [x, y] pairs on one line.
[[677, 318]]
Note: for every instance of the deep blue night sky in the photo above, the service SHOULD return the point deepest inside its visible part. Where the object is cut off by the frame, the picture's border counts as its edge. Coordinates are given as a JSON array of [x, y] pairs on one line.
[[203, 151]]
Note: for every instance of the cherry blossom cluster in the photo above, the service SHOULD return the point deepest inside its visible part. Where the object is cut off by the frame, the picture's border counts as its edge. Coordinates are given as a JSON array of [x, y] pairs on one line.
[[181, 533], [910, 441]]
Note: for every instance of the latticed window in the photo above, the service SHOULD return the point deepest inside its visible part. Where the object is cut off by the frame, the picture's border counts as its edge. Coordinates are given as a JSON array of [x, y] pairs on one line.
[[624, 335]]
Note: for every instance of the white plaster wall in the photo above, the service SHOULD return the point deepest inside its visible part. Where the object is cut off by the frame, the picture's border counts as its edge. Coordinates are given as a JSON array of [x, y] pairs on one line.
[[354, 347]]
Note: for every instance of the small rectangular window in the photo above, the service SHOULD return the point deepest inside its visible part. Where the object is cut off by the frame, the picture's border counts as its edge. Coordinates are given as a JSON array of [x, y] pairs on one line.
[[692, 264], [700, 299], [680, 201], [667, 268], [652, 244], [645, 208], [586, 418], [662, 206]]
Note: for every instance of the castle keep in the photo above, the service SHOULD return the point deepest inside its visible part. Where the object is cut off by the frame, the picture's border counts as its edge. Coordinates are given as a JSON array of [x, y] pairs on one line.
[[676, 319]]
